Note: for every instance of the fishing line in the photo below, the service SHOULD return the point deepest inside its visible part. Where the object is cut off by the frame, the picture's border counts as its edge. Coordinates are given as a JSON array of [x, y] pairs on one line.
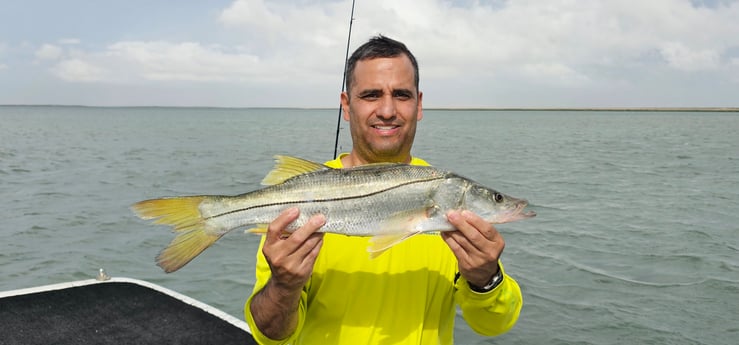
[[343, 79]]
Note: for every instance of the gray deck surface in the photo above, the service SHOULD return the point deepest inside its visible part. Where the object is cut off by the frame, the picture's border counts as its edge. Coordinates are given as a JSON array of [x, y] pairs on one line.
[[111, 313]]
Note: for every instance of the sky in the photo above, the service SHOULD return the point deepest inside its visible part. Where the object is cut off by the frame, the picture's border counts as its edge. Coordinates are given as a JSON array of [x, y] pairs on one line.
[[280, 53]]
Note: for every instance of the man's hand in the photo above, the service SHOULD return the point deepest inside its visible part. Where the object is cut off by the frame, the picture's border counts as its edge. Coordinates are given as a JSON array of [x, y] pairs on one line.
[[477, 246], [290, 258]]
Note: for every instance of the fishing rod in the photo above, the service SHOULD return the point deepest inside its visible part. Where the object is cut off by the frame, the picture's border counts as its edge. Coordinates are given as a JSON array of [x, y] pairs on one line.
[[343, 79]]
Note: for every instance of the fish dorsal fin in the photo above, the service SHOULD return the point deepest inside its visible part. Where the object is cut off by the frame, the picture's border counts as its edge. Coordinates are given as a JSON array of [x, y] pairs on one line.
[[287, 167]]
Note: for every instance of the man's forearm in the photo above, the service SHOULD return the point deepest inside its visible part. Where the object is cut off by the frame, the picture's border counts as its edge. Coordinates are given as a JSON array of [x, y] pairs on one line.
[[275, 311]]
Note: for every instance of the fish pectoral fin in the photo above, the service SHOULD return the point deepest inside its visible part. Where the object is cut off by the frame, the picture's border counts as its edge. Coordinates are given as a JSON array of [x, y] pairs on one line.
[[405, 221], [259, 229], [397, 228], [380, 243], [287, 167]]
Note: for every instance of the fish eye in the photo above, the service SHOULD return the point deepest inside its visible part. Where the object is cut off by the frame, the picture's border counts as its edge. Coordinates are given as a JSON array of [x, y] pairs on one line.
[[498, 197]]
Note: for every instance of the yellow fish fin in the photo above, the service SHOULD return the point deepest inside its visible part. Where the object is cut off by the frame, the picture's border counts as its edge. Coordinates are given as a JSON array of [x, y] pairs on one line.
[[397, 228], [181, 213], [287, 167], [185, 247], [185, 218], [259, 229], [380, 243]]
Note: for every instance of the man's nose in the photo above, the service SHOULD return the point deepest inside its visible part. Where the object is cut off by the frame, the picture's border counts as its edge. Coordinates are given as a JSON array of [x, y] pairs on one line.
[[386, 108]]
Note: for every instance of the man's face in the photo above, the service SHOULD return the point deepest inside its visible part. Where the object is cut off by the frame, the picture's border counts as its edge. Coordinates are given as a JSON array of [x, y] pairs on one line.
[[383, 108]]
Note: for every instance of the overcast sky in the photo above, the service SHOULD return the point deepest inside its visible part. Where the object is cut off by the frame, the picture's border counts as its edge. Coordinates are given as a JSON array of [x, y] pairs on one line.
[[252, 53]]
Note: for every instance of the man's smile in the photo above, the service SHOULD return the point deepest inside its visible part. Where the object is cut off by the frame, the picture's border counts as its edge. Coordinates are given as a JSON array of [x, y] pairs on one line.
[[386, 129]]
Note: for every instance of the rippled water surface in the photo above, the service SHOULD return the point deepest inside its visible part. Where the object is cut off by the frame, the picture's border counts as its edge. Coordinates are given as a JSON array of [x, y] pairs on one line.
[[636, 239]]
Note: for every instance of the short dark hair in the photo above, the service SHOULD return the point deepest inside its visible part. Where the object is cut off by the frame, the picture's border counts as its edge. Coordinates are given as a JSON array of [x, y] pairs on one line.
[[378, 47]]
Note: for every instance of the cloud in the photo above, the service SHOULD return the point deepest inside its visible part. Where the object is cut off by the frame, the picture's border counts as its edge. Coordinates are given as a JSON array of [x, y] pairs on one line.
[[459, 44], [133, 61], [734, 70], [560, 42], [285, 23], [3, 66], [683, 58], [69, 41], [182, 61], [304, 36], [49, 52], [555, 74], [532, 39], [79, 71], [254, 13]]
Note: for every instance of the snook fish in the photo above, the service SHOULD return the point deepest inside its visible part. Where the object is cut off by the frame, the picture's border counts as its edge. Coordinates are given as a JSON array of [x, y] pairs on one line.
[[390, 202]]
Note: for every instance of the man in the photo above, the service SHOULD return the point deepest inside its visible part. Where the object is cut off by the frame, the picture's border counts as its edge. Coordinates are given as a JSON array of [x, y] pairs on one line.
[[315, 288]]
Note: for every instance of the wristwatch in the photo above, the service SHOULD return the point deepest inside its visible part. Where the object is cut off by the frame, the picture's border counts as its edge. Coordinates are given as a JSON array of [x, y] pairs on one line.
[[495, 281]]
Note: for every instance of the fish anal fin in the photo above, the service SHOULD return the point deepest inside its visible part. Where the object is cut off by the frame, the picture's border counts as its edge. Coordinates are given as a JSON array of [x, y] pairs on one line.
[[287, 167]]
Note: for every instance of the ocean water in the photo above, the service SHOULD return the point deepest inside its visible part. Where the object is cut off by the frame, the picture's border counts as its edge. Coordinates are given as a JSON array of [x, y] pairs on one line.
[[636, 239]]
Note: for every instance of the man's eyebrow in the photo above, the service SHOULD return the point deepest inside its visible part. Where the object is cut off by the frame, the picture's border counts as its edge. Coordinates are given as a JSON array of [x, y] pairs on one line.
[[404, 92], [369, 92]]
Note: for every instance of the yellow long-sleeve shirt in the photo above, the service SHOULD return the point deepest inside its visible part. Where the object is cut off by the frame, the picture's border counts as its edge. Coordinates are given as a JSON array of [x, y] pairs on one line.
[[407, 295]]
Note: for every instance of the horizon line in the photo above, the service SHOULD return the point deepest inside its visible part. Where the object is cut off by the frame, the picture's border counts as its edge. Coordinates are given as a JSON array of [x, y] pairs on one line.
[[653, 108]]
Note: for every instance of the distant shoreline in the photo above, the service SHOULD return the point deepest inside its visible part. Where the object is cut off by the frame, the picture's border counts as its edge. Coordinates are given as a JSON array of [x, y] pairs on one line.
[[656, 109], [611, 109]]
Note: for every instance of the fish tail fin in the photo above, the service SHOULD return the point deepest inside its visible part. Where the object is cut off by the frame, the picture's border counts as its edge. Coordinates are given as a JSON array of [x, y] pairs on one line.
[[380, 243], [185, 247], [185, 218], [181, 213]]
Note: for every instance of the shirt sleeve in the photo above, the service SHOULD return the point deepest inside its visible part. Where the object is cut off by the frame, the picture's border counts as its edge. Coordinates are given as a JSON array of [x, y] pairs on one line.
[[490, 313], [263, 274]]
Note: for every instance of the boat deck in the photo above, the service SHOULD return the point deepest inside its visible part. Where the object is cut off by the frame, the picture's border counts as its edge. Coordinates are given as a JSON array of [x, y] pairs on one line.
[[112, 313]]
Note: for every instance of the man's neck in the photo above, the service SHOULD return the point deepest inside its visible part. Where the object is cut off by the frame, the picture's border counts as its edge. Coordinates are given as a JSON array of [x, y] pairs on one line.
[[354, 160]]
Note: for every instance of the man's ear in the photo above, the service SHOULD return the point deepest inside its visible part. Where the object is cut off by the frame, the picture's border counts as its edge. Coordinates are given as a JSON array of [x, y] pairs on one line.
[[345, 105]]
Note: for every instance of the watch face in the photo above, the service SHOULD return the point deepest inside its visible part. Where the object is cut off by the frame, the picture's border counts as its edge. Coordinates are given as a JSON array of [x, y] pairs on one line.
[[495, 281]]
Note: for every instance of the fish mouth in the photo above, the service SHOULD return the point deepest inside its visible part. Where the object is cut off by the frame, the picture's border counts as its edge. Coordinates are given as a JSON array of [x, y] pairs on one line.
[[517, 213]]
